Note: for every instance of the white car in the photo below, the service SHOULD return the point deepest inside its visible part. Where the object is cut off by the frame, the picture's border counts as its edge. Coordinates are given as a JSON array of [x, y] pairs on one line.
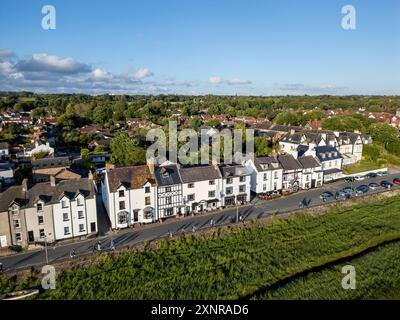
[[359, 178]]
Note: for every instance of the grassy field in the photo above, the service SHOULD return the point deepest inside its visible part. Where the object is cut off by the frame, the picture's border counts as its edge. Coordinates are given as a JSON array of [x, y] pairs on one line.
[[361, 166], [377, 277], [230, 265]]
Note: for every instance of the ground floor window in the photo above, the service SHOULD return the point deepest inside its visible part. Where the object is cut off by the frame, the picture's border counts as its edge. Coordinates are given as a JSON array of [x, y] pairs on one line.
[[148, 213], [81, 228], [18, 237], [122, 217], [242, 198], [169, 212], [229, 201], [41, 233]]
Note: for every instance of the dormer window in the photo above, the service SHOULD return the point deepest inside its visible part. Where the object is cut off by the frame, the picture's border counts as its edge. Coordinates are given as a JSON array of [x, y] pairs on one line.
[[121, 193], [79, 201], [64, 204]]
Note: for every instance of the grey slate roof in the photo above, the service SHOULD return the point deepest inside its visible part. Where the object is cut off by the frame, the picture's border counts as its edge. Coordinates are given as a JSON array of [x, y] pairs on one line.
[[326, 153], [288, 162], [51, 162], [168, 175], [228, 171], [266, 163], [199, 173], [46, 192], [308, 162]]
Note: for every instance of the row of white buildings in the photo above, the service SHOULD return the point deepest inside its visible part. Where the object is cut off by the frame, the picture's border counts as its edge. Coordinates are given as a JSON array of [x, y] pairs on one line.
[[148, 193]]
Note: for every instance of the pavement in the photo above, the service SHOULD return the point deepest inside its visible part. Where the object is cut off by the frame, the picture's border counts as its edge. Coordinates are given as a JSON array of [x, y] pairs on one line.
[[257, 209]]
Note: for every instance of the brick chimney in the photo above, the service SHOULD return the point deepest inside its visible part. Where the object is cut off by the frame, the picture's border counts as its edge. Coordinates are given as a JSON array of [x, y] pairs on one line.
[[52, 181], [90, 175], [25, 185]]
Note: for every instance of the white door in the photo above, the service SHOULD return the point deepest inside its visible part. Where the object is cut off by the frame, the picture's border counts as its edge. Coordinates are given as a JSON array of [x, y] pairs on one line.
[[3, 241]]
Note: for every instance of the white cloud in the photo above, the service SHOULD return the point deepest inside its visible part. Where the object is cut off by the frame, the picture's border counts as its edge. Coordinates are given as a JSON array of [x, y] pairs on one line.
[[100, 75], [5, 53], [50, 63], [143, 73], [215, 80], [237, 81], [6, 68]]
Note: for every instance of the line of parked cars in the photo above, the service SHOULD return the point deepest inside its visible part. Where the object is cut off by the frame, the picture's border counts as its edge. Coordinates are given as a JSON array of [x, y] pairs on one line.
[[349, 192]]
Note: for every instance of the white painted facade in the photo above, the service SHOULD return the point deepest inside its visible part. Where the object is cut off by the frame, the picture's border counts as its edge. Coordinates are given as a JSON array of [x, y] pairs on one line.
[[74, 217], [125, 207], [264, 181], [235, 188], [198, 195]]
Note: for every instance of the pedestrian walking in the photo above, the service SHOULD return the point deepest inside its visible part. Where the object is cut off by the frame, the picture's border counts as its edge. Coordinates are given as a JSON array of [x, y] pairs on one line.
[[99, 246], [241, 218], [194, 229], [170, 233], [1, 267], [72, 254], [212, 223], [112, 245]]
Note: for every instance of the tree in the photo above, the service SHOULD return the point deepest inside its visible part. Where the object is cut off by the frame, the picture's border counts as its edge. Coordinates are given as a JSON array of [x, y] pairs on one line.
[[384, 134], [261, 147], [126, 150]]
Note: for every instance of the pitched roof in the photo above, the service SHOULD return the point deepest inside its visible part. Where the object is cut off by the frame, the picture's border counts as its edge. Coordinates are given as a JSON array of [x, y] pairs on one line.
[[266, 163], [325, 153], [308, 162], [54, 162], [199, 173], [288, 162], [131, 177], [167, 175], [228, 171], [45, 192]]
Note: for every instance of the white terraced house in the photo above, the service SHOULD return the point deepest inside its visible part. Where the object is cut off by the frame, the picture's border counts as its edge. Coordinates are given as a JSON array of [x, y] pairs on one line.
[[349, 144], [312, 174], [236, 185], [292, 173], [129, 196], [266, 175], [201, 187]]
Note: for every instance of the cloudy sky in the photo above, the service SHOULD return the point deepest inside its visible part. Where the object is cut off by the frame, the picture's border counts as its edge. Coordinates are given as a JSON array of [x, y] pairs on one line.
[[201, 46]]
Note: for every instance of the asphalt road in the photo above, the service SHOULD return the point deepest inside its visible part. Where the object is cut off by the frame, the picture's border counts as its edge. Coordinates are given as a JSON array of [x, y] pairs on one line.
[[258, 209]]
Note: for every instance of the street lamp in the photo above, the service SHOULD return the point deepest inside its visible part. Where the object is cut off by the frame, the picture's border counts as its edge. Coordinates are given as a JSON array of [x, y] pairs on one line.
[[45, 248]]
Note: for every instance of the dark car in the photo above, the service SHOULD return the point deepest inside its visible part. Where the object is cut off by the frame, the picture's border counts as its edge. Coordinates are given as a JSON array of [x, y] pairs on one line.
[[348, 191], [396, 180], [349, 179], [386, 184], [362, 189], [373, 186], [371, 175], [326, 195], [340, 195]]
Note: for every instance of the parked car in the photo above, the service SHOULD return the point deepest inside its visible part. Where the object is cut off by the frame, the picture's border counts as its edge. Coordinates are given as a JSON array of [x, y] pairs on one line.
[[359, 178], [362, 189], [386, 184], [349, 179], [373, 186], [396, 180], [381, 173], [340, 195], [348, 191], [371, 175], [326, 195]]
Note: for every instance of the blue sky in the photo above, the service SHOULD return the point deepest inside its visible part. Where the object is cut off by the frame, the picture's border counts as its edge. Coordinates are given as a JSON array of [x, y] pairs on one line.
[[201, 46]]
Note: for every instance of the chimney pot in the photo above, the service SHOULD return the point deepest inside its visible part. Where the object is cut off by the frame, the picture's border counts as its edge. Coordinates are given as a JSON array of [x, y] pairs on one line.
[[25, 185], [52, 181]]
